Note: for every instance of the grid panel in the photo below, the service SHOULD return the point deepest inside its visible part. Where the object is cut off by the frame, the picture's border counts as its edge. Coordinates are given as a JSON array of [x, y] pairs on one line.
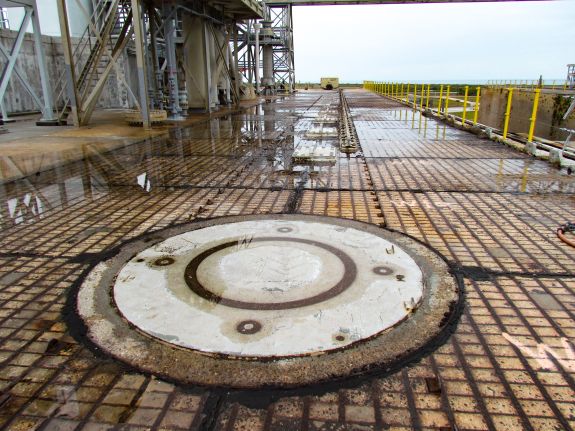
[[508, 366]]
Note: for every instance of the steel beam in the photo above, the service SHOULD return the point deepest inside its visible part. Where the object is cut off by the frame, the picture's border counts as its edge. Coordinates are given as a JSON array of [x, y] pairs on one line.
[[9, 67], [21, 77], [138, 20], [48, 116], [356, 2], [69, 67]]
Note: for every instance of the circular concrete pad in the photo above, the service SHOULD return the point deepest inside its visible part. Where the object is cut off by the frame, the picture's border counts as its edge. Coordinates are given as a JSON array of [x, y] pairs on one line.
[[267, 300]]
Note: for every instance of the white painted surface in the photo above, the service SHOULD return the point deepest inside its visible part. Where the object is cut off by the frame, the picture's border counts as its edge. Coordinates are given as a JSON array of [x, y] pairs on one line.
[[158, 301]]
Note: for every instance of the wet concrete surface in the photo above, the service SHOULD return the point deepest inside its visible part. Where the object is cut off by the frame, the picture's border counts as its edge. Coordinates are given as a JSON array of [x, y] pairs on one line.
[[490, 211]]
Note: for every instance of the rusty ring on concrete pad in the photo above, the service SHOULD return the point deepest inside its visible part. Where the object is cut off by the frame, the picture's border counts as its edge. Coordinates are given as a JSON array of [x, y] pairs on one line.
[[417, 334], [349, 274]]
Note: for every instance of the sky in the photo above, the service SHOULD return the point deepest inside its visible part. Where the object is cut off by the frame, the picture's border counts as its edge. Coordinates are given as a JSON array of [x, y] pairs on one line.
[[435, 42]]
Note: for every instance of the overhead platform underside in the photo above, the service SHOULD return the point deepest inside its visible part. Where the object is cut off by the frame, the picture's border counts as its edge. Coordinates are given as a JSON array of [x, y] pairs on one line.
[[234, 9], [354, 2]]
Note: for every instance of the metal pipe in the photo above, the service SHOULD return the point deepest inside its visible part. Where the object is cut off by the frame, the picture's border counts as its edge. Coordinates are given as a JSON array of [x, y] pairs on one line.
[[172, 66], [257, 27]]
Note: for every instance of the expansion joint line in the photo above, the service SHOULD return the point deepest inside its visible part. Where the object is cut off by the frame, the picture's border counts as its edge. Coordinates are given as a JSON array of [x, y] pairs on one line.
[[349, 144], [348, 141]]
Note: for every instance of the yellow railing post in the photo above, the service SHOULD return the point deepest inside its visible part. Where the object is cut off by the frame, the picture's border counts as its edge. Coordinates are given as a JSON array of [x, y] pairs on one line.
[[401, 94], [440, 100], [407, 95], [427, 98], [447, 100], [422, 97], [414, 96], [533, 118], [465, 105], [476, 107], [507, 112]]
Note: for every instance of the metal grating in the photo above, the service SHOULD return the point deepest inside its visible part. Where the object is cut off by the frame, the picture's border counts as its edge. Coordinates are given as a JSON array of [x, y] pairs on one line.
[[491, 211]]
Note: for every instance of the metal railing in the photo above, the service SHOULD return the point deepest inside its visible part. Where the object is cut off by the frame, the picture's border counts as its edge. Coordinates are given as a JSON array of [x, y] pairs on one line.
[[436, 99], [92, 49]]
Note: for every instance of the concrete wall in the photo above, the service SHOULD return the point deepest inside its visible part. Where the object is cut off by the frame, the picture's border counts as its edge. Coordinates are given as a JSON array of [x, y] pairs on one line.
[[48, 15], [549, 114], [17, 98]]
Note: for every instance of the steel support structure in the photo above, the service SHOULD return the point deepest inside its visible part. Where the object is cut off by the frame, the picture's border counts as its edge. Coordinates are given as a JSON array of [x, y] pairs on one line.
[[142, 64], [46, 104], [170, 37], [273, 44], [283, 52], [91, 59]]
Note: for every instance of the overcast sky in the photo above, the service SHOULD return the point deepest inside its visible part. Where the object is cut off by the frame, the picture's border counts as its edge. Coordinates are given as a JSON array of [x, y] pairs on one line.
[[435, 42]]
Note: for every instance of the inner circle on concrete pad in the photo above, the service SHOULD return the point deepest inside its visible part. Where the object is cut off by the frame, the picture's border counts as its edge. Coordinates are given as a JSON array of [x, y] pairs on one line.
[[289, 276], [302, 287]]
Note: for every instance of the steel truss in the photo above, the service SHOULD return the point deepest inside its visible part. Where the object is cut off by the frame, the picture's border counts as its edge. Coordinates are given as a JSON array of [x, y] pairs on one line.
[[250, 41], [46, 103], [283, 52]]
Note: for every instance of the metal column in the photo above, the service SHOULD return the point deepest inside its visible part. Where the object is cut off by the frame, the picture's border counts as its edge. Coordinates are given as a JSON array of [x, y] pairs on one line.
[[171, 63], [70, 70], [48, 116], [138, 21]]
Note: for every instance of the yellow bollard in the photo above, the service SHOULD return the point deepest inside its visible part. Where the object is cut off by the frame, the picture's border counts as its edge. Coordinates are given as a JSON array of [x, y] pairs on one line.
[[440, 100], [465, 105], [507, 113], [476, 107], [533, 118], [414, 96], [427, 98], [447, 101]]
